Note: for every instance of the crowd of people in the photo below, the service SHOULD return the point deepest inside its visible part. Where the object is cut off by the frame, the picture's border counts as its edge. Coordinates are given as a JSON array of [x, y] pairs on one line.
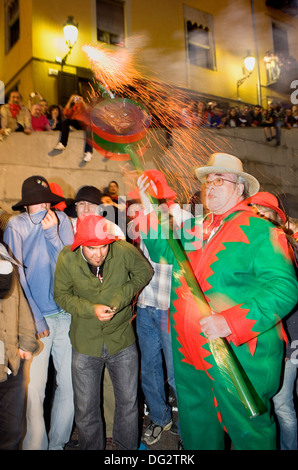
[[39, 116], [73, 280], [198, 114]]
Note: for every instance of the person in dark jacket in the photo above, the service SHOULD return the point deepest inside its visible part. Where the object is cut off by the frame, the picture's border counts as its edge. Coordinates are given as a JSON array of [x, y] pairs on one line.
[[254, 117]]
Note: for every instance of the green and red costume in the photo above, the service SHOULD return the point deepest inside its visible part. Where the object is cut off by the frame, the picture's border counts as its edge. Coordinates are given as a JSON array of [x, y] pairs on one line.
[[246, 273]]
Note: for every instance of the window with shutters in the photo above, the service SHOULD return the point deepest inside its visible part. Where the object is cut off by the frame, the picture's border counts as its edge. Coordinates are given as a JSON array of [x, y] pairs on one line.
[[199, 38], [110, 21]]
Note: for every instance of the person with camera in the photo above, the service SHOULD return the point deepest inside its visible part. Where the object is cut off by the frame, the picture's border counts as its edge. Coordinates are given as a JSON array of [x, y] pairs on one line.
[[35, 238], [77, 114]]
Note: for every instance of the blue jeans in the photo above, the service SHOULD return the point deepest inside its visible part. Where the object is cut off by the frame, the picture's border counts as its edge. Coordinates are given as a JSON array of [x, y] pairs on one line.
[[87, 373], [58, 345], [153, 337], [285, 409]]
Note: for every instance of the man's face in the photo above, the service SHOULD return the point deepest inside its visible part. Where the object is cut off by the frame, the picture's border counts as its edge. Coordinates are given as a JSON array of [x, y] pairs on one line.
[[36, 110], [95, 255], [221, 198], [113, 188], [15, 97], [106, 200], [84, 208]]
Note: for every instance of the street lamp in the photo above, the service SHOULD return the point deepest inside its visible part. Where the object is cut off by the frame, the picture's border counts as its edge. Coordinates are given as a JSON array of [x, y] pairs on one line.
[[70, 30], [249, 64]]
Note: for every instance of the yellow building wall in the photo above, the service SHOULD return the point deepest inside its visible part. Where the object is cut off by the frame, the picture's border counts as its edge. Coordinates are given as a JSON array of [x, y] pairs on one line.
[[49, 42], [265, 44], [48, 20], [159, 27], [41, 40], [162, 25], [15, 66]]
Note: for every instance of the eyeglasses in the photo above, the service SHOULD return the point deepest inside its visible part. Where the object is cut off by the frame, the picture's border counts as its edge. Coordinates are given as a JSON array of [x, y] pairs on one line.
[[217, 182]]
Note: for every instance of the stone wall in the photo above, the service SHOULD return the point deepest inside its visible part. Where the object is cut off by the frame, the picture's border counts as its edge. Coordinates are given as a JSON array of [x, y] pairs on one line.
[[22, 156]]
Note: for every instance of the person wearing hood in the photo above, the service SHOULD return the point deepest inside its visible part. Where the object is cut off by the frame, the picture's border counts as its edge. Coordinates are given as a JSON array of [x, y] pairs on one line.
[[88, 200], [284, 404], [35, 238], [243, 266], [96, 281]]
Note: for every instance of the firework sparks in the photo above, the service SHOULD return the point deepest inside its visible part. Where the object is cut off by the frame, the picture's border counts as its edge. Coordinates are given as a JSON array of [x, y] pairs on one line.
[[116, 71]]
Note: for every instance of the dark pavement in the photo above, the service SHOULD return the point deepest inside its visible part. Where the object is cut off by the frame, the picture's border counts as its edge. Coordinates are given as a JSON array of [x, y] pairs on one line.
[[167, 441]]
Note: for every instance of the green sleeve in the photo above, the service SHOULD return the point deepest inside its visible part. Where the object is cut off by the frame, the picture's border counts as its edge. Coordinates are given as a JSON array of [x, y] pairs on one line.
[[140, 273], [275, 292]]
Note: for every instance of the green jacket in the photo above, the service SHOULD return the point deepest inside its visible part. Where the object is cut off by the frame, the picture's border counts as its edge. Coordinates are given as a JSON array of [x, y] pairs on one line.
[[77, 291]]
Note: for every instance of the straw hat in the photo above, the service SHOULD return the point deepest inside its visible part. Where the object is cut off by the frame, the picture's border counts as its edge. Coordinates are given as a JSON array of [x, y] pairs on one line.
[[226, 163]]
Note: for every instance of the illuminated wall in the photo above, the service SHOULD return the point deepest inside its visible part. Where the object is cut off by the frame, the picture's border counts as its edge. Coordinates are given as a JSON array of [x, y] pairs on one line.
[[160, 29]]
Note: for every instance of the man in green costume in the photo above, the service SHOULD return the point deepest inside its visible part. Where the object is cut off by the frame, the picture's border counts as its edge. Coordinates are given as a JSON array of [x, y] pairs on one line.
[[244, 268]]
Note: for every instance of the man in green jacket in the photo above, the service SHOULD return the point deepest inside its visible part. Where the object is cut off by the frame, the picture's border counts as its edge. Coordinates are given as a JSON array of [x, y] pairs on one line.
[[96, 280]]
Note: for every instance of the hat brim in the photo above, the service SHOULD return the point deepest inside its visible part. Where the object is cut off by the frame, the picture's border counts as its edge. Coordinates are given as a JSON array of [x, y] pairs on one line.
[[93, 242], [253, 184], [37, 199], [91, 199]]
